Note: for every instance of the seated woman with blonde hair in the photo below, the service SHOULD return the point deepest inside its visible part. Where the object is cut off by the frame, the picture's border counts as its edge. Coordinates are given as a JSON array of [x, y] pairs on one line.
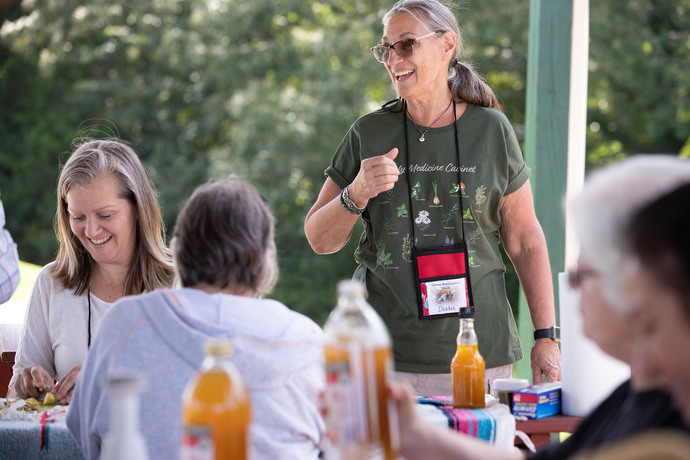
[[111, 244]]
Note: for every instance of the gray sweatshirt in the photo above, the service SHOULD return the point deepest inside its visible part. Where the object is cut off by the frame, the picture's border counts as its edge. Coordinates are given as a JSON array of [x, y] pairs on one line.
[[161, 335]]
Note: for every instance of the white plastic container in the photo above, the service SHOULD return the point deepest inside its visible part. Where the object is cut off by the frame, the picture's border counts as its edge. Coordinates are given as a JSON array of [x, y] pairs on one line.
[[123, 440], [503, 389]]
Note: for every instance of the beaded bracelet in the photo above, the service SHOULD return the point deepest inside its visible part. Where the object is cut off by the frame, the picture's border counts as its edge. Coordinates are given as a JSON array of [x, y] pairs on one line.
[[349, 204]]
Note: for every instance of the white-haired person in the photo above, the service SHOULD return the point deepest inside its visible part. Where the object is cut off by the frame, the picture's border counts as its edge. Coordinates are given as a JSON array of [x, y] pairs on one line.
[[601, 213], [225, 257], [111, 244], [655, 282]]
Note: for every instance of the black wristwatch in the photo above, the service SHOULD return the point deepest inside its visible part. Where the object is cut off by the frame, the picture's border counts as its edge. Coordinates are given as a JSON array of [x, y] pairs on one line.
[[553, 333]]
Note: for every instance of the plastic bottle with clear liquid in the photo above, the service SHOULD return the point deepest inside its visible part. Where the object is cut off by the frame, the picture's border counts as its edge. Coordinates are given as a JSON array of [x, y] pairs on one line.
[[467, 367], [361, 423], [124, 440], [216, 409]]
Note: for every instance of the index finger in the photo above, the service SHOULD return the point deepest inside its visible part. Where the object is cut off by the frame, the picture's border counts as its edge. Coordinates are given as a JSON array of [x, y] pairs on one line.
[[64, 388], [536, 376]]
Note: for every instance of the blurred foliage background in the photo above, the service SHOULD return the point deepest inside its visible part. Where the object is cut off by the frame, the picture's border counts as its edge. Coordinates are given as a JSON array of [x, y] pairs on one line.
[[267, 89]]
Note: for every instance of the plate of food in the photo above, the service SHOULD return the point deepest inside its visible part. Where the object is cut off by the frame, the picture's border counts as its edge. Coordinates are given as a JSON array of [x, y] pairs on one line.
[[31, 408]]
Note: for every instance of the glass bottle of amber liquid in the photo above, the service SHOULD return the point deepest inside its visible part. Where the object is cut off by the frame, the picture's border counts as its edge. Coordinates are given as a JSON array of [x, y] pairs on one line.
[[467, 367], [361, 423], [216, 409]]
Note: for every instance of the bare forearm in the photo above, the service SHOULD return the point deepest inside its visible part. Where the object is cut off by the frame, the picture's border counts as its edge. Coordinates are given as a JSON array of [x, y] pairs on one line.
[[330, 227], [444, 444], [534, 271], [524, 242]]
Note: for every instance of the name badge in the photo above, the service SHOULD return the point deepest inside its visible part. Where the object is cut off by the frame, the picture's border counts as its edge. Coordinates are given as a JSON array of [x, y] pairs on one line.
[[443, 297]]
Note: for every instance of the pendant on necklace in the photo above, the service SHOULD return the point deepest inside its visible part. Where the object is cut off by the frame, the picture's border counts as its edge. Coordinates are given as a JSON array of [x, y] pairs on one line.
[[421, 139]]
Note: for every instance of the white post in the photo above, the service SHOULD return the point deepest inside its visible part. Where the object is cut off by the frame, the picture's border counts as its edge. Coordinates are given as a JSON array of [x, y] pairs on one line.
[[577, 119]]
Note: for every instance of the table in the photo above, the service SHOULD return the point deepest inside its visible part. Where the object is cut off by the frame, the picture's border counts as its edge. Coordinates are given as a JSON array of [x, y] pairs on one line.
[[540, 430], [20, 439], [29, 436], [494, 423]]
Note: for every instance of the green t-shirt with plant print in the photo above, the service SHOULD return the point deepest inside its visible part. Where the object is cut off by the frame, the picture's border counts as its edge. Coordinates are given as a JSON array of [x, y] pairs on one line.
[[492, 167]]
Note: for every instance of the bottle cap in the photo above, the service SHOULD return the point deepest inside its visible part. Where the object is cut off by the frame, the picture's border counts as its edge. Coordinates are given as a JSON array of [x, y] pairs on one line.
[[350, 288], [509, 384], [124, 382], [467, 313], [218, 347]]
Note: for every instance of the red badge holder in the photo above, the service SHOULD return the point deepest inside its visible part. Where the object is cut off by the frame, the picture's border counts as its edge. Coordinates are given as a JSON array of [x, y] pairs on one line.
[[442, 280]]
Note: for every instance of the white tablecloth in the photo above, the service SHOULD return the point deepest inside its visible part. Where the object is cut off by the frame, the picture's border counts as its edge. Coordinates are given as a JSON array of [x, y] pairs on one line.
[[36, 436]]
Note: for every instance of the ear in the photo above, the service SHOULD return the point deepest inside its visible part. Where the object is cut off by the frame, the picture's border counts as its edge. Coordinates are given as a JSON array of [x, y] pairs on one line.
[[448, 45]]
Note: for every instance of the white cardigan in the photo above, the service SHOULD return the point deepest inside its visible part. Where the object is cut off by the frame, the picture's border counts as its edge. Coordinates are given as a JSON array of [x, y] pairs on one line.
[[55, 331]]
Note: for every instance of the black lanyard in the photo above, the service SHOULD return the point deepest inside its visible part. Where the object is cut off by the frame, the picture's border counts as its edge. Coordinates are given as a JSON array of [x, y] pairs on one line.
[[88, 300], [409, 183]]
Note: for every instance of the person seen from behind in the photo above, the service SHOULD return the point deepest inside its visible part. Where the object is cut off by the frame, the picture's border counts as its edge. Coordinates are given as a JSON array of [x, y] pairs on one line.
[[225, 259]]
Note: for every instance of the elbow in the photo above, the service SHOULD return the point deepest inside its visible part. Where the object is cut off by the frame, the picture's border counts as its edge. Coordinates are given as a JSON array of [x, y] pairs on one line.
[[320, 244], [314, 242], [316, 239], [319, 247], [315, 246], [323, 237], [527, 253]]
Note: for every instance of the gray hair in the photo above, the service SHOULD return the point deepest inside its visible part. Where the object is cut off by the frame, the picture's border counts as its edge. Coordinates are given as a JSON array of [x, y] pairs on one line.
[[224, 237], [465, 84], [609, 200]]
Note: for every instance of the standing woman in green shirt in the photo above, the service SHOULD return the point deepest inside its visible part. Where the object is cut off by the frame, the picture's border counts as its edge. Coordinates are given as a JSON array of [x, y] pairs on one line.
[[439, 180]]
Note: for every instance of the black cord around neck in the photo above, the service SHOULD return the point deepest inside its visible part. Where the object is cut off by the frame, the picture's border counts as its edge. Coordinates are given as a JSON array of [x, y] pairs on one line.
[[88, 300], [409, 181]]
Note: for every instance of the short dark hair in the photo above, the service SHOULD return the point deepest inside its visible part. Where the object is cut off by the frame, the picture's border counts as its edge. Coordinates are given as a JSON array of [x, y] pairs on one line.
[[224, 236], [659, 234]]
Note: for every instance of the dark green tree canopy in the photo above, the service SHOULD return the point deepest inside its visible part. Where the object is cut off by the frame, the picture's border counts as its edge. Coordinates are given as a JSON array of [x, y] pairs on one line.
[[267, 90]]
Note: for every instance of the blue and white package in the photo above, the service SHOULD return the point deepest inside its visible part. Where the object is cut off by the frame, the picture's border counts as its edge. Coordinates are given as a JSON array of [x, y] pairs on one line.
[[538, 401]]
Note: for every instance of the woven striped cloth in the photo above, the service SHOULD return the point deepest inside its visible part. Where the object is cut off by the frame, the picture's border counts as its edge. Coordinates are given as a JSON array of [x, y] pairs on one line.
[[494, 424]]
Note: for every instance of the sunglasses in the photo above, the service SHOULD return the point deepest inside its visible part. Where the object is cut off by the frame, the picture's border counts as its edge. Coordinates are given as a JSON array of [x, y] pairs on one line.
[[403, 48], [576, 278]]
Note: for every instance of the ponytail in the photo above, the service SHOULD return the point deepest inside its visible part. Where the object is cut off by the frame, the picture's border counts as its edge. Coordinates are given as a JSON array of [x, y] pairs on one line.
[[434, 15], [466, 85]]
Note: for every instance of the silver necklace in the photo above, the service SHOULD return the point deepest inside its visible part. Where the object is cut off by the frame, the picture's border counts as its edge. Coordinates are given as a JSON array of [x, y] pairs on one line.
[[423, 133]]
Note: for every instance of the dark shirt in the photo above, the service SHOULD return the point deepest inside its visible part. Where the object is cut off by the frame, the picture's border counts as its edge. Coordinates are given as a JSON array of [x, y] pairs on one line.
[[622, 414]]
